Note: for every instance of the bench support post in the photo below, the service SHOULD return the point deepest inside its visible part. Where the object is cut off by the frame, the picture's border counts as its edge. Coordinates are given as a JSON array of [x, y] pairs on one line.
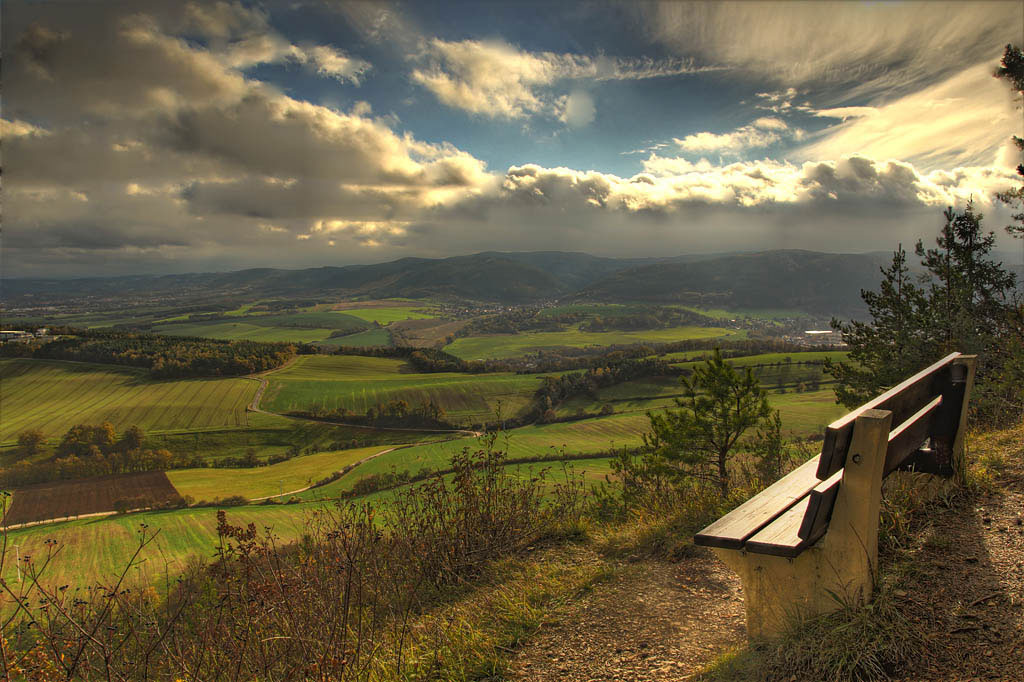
[[969, 364], [838, 570]]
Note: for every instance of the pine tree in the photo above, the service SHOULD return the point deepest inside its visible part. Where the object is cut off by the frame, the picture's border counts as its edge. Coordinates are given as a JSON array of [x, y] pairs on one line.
[[969, 295], [699, 439], [966, 303], [892, 345]]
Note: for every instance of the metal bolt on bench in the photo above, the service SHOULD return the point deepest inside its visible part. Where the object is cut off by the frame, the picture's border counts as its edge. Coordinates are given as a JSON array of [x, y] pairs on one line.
[[808, 544]]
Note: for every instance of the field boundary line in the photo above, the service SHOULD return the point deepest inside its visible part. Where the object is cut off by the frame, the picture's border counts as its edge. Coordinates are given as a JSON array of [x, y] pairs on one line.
[[63, 519], [344, 470], [255, 407]]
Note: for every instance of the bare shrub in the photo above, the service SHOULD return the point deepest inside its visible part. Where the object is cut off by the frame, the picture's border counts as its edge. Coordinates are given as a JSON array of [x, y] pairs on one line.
[[346, 602]]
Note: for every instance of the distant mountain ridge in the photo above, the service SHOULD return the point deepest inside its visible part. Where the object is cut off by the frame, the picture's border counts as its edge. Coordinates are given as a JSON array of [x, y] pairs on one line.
[[807, 280]]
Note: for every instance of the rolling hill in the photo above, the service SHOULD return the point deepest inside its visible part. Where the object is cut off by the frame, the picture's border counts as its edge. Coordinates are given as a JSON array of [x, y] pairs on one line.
[[806, 280], [803, 280]]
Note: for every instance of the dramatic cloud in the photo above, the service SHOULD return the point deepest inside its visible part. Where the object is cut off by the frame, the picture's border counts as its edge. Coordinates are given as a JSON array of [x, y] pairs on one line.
[[868, 44], [970, 116], [763, 132], [671, 184], [182, 150], [144, 140], [498, 80]]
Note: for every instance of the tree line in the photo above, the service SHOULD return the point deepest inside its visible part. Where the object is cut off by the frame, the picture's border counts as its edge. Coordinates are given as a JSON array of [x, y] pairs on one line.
[[88, 450], [395, 413], [428, 360], [165, 357]]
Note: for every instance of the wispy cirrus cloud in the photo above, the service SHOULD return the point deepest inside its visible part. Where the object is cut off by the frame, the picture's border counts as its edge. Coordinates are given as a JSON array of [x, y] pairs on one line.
[[498, 80], [871, 46], [970, 118]]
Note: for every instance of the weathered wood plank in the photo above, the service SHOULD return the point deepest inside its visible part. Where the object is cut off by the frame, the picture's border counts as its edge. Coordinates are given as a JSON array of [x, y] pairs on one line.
[[906, 438], [781, 537], [733, 529], [819, 509], [902, 400]]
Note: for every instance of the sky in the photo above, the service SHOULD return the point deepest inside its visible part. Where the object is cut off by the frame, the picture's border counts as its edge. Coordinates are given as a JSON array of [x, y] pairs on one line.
[[162, 137]]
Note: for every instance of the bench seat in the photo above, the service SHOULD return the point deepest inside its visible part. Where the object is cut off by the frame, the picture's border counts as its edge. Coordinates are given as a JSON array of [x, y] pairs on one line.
[[793, 513]]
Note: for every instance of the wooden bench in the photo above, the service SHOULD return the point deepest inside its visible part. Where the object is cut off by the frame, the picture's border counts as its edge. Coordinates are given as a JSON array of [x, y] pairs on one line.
[[808, 544]]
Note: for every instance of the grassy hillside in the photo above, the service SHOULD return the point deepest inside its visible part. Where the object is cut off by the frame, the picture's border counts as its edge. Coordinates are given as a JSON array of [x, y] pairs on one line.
[[52, 396], [97, 548], [512, 345], [245, 330], [358, 383], [283, 477], [371, 337], [269, 435], [389, 314]]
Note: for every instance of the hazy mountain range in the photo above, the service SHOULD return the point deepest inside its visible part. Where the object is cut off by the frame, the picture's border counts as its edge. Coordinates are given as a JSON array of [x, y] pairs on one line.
[[824, 283]]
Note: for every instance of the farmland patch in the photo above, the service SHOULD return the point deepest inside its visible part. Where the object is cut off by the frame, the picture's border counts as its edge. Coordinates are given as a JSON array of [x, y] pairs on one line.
[[53, 395], [512, 345], [389, 314], [74, 498], [276, 479], [359, 383]]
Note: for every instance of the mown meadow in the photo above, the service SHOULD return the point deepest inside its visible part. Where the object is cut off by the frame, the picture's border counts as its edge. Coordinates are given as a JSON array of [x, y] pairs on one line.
[[52, 395], [356, 383], [512, 345]]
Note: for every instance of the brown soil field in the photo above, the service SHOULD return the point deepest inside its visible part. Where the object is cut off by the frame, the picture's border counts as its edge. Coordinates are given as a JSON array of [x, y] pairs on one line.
[[73, 498], [424, 333]]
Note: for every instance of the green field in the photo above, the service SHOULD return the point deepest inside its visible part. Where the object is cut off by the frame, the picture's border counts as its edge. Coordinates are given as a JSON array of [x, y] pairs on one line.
[[283, 477], [245, 331], [590, 435], [389, 314], [755, 313], [97, 549], [512, 345], [52, 396], [358, 383], [269, 435], [371, 337], [298, 327]]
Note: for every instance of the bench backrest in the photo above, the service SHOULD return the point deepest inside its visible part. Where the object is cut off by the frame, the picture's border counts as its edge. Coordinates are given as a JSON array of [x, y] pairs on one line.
[[794, 513]]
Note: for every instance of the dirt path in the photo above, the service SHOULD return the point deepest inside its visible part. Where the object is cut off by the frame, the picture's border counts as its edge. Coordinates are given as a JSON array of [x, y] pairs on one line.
[[961, 581], [968, 586], [656, 621]]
